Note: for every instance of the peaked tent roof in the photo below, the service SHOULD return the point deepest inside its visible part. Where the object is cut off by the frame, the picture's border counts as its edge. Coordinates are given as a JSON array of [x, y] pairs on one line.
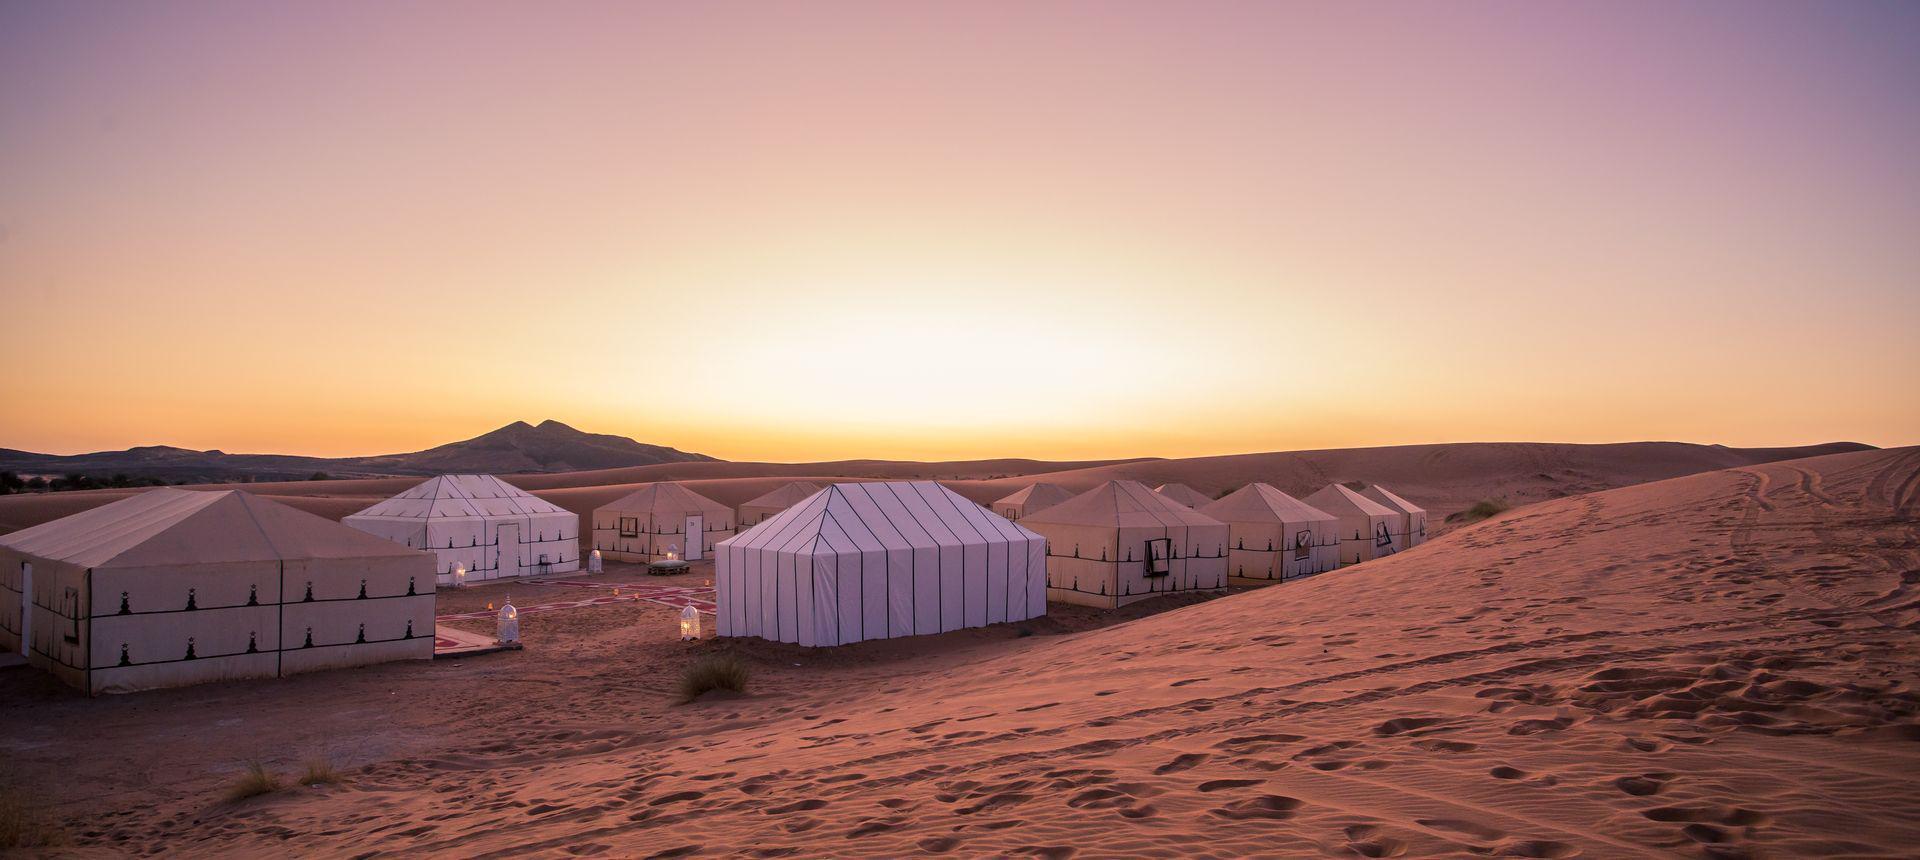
[[1038, 495], [1183, 494], [167, 526], [1263, 503], [1392, 500], [462, 496], [785, 497], [880, 515], [1339, 501], [665, 497], [1121, 503]]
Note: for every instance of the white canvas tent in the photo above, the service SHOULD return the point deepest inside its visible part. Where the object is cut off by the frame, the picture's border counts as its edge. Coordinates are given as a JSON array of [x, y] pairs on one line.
[[878, 560], [1121, 542], [763, 507], [659, 521], [1366, 526], [495, 529], [1274, 536], [175, 587], [1412, 526], [1183, 494], [1031, 499]]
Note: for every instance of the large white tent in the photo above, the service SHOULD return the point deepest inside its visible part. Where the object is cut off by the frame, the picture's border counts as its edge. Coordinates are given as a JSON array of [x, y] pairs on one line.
[[765, 506], [1121, 542], [174, 587], [1412, 526], [1274, 536], [659, 521], [878, 560], [1366, 526], [1183, 494], [493, 528], [1031, 499]]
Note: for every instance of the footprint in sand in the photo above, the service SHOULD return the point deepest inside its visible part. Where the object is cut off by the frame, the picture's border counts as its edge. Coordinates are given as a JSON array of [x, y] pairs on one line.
[[1182, 762], [1213, 785], [1276, 807], [1644, 785]]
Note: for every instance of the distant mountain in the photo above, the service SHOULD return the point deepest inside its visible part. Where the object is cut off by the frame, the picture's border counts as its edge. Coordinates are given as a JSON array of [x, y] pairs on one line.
[[516, 448]]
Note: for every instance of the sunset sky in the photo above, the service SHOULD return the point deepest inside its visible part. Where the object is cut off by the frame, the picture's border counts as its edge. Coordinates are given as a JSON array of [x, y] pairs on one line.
[[802, 231]]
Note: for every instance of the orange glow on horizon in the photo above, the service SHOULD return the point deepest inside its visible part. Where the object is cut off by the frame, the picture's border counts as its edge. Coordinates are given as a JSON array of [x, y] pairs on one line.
[[951, 232]]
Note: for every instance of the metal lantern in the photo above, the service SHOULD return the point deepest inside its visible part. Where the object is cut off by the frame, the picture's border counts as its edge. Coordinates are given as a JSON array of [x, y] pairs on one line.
[[689, 624], [507, 627], [673, 551], [593, 562], [459, 576]]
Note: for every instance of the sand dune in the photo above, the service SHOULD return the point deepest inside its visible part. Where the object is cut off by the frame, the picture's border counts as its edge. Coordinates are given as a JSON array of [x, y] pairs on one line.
[[1444, 478], [1717, 665]]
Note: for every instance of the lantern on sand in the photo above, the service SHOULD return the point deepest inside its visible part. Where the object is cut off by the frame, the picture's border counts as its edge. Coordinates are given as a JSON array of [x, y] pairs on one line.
[[459, 576], [507, 627], [689, 624], [593, 562]]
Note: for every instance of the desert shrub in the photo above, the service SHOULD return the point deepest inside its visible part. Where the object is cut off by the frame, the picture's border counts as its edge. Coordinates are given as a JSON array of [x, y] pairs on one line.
[[22, 826], [1481, 510], [717, 672], [320, 772], [256, 780]]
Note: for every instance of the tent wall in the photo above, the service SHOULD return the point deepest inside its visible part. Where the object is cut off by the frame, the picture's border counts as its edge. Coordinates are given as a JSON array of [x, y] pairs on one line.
[[10, 587], [474, 542], [58, 604], [753, 515], [653, 535], [1105, 566], [1270, 551], [1364, 538]]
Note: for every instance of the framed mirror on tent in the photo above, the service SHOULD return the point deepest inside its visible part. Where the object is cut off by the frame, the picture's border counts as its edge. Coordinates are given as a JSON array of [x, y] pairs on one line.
[[1159, 556]]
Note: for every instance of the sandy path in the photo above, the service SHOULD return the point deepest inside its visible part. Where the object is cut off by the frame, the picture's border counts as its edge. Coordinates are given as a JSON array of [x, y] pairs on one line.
[[1716, 665]]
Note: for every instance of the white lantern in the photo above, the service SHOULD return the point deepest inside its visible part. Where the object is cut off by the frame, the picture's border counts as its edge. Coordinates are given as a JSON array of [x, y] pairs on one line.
[[673, 551], [508, 626], [593, 562], [459, 576], [689, 624]]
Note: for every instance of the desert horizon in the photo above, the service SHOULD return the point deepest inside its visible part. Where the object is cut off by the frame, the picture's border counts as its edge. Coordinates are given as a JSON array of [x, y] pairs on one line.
[[862, 429]]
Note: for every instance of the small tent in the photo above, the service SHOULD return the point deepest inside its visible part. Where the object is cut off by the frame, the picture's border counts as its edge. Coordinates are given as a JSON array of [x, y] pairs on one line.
[[1183, 494], [754, 512], [1033, 499], [877, 560], [1366, 526], [1274, 536], [175, 587], [1121, 542], [1412, 526], [493, 528], [660, 521]]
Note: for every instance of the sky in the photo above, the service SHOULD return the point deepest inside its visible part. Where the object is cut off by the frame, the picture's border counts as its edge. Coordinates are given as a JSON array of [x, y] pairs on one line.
[[807, 231]]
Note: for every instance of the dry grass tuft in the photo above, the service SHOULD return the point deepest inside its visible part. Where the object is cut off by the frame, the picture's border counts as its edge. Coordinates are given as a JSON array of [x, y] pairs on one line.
[[717, 672], [22, 826], [321, 772], [256, 780], [1480, 511]]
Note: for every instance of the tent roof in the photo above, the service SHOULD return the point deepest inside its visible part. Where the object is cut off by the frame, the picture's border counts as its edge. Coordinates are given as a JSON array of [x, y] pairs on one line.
[[461, 497], [1121, 503], [169, 526], [1392, 500], [1037, 495], [879, 515], [1263, 503], [1183, 494], [665, 497], [785, 497], [1339, 501]]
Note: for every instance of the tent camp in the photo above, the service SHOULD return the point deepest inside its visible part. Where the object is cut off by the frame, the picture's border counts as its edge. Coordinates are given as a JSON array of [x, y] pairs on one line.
[[1273, 536], [660, 521], [1183, 494], [758, 510], [1366, 526], [495, 529], [1411, 528], [174, 587], [874, 561], [1121, 542], [1033, 499]]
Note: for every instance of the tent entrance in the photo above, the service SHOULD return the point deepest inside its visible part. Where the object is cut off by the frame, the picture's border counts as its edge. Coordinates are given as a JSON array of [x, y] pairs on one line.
[[508, 537], [696, 537]]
